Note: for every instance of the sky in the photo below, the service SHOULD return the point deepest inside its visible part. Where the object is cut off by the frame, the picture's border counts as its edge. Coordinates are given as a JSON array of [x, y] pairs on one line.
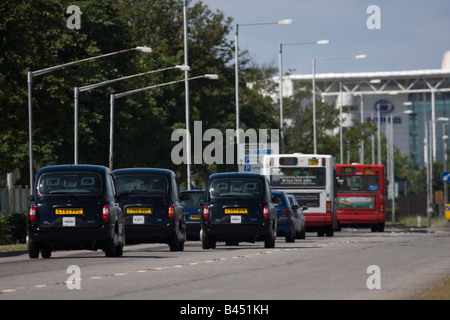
[[413, 34]]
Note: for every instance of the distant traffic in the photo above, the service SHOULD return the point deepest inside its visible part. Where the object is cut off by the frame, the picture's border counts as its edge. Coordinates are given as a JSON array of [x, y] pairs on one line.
[[90, 207]]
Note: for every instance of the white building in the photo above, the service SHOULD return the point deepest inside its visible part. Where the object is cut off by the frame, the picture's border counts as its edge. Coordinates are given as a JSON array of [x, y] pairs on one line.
[[425, 92]]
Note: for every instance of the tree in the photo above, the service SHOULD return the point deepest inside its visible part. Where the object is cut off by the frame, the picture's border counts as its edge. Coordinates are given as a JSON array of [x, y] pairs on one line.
[[299, 134], [34, 36]]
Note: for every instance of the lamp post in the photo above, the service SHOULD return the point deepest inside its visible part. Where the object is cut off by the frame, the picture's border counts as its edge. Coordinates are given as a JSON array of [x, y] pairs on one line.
[[390, 156], [186, 86], [445, 138], [319, 42], [360, 56], [127, 93], [236, 58], [32, 74], [444, 142], [77, 91]]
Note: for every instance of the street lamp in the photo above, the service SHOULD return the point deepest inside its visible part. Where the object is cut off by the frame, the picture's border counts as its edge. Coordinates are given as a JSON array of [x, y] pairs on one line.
[[127, 93], [186, 86], [319, 42], [390, 156], [77, 91], [30, 76], [359, 56], [236, 57], [444, 142]]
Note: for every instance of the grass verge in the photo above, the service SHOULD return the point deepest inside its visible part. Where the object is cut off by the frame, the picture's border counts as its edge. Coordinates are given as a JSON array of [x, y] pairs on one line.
[[440, 292], [13, 247]]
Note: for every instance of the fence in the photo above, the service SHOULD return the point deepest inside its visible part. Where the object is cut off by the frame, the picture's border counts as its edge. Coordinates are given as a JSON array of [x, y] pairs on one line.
[[412, 205], [14, 200]]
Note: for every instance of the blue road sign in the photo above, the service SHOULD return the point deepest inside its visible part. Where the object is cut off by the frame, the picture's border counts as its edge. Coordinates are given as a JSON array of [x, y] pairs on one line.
[[445, 176]]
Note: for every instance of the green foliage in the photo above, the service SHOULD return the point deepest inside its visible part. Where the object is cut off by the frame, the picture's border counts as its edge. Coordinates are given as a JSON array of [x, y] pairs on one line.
[[34, 36], [12, 228], [299, 134], [5, 230]]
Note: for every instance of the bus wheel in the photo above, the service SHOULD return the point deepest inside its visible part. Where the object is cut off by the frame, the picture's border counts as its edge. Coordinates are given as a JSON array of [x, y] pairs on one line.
[[330, 232]]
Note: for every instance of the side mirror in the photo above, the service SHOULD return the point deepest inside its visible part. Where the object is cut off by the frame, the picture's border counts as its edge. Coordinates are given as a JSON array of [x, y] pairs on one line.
[[305, 208]]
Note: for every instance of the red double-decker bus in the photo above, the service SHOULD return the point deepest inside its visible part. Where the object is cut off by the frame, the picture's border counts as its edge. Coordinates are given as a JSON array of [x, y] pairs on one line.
[[361, 195]]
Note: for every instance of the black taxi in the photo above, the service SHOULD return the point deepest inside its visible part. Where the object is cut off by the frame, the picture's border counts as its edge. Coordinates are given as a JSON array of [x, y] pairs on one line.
[[238, 207], [149, 198], [74, 207]]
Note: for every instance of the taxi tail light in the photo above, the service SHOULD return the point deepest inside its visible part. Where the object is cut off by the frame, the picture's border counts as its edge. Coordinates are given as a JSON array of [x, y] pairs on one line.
[[32, 214], [105, 213], [206, 212], [171, 212], [328, 206], [266, 212], [286, 212]]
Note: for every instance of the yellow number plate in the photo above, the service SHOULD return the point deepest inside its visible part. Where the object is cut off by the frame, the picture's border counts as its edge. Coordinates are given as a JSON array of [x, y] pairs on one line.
[[236, 211], [69, 211], [368, 171], [195, 217], [313, 162], [139, 210]]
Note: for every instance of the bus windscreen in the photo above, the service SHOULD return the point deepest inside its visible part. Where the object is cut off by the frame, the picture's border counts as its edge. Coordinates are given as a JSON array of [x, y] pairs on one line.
[[357, 183], [309, 177]]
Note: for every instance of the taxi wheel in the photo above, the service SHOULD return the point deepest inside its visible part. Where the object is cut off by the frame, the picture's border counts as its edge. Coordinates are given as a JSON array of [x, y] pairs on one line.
[[46, 252], [111, 245], [177, 242], [270, 240], [33, 250], [207, 243]]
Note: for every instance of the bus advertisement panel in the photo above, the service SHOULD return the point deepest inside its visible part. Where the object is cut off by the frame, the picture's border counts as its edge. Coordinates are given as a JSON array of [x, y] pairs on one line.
[[361, 191], [311, 178]]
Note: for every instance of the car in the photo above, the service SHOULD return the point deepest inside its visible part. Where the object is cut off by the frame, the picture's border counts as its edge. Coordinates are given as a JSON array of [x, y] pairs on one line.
[[149, 198], [300, 233], [191, 201], [74, 207], [238, 207], [287, 224]]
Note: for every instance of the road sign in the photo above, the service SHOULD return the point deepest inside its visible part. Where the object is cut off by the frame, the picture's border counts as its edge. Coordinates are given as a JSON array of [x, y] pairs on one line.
[[447, 211], [251, 155], [445, 176], [439, 197]]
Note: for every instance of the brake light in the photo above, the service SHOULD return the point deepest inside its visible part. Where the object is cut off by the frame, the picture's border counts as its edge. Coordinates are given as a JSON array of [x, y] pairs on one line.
[[105, 213], [324, 162], [285, 212], [171, 212], [266, 212], [328, 206], [206, 212], [381, 205], [32, 214]]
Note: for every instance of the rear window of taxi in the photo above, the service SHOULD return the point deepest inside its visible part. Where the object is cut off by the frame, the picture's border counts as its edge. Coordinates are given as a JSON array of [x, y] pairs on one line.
[[235, 187], [69, 183]]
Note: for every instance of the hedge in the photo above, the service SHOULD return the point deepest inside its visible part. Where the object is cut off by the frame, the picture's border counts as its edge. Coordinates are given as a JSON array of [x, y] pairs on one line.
[[13, 228]]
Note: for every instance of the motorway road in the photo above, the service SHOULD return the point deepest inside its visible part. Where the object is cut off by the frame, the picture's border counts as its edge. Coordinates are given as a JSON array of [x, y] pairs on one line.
[[410, 263]]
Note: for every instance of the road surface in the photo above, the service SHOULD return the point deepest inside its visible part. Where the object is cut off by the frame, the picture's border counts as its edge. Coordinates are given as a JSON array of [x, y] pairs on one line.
[[354, 264]]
